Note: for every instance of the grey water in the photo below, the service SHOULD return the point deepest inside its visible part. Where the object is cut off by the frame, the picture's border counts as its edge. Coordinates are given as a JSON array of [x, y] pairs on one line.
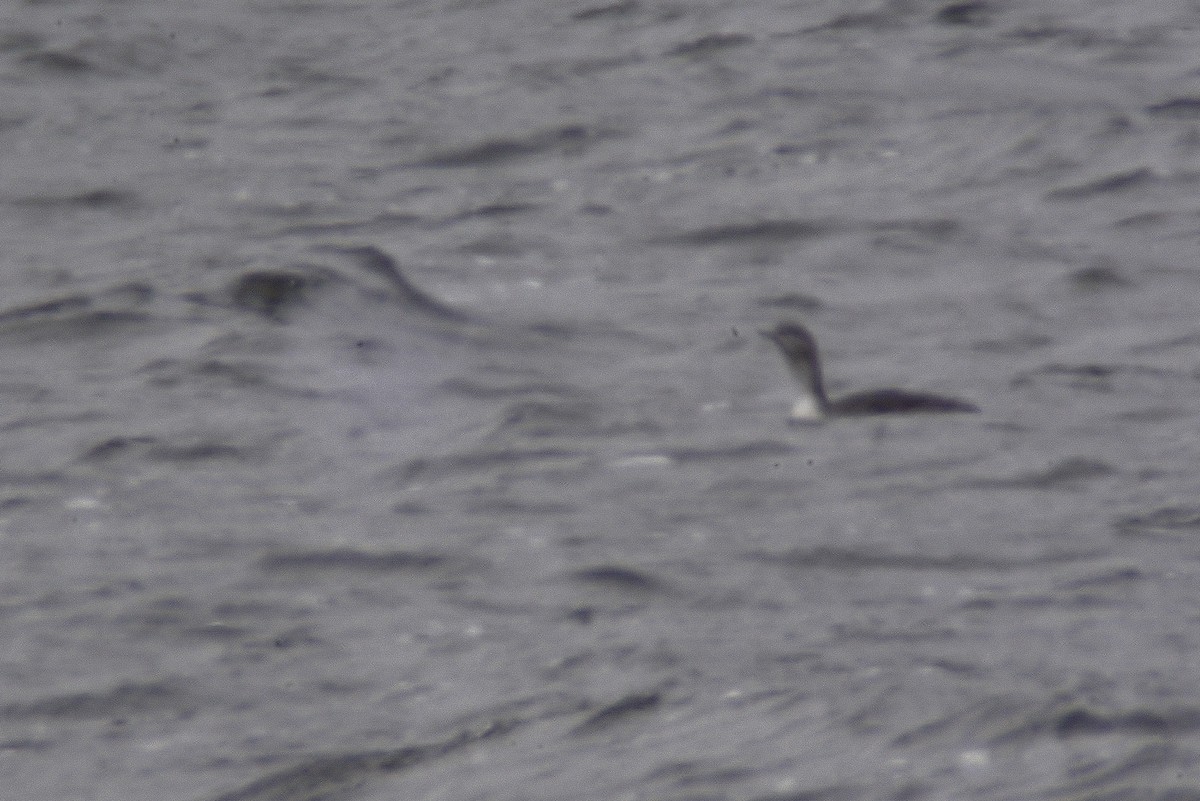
[[382, 414]]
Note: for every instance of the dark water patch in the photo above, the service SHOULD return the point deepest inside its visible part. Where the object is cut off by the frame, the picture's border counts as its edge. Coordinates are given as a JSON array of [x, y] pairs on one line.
[[586, 67], [1007, 721], [249, 606], [821, 149], [1040, 31], [583, 615], [638, 703], [921, 632], [567, 140], [12, 479], [10, 121], [622, 8], [1097, 377], [132, 293], [934, 228], [1098, 278], [45, 309], [374, 261], [1104, 588], [165, 614], [757, 449], [145, 53], [1032, 601], [11, 40], [116, 447], [733, 343], [102, 323], [1139, 177], [13, 502], [102, 313], [1121, 46], [956, 667], [215, 631], [39, 421], [543, 461], [187, 144], [133, 698], [26, 744], [1136, 773], [1018, 342], [215, 375], [704, 774], [881, 20], [517, 506], [1068, 473], [594, 332], [1169, 522], [1190, 340], [296, 637], [1179, 108], [1147, 219], [57, 61], [356, 560], [1079, 720], [483, 390], [622, 579], [1154, 414], [597, 209], [900, 791], [1002, 710], [98, 199], [205, 449], [184, 449], [383, 224], [826, 557], [791, 301], [761, 231], [797, 230], [290, 74], [1076, 468], [710, 43], [329, 778], [271, 293], [174, 617], [1103, 378], [551, 418], [496, 211], [920, 465], [562, 332], [973, 14], [502, 245], [217, 372], [1109, 578], [59, 327], [370, 351], [412, 508]]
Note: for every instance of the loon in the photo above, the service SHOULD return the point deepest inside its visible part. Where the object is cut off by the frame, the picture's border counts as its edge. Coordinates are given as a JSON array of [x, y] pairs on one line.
[[799, 349]]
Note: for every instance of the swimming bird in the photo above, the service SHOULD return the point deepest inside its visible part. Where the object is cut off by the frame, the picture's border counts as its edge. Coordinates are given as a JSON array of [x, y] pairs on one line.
[[799, 350]]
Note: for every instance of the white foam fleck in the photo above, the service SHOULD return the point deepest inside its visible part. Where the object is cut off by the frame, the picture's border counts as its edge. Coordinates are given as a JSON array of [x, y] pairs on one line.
[[82, 502], [974, 759], [645, 460]]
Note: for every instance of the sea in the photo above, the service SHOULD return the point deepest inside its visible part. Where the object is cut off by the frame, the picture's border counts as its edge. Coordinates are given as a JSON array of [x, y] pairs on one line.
[[383, 411]]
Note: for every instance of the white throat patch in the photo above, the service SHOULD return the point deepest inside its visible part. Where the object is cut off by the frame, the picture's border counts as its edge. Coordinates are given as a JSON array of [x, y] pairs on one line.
[[805, 408]]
